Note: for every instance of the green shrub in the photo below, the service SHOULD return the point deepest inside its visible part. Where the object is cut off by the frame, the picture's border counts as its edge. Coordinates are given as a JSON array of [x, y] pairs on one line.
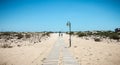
[[72, 33], [81, 34], [114, 36], [103, 33], [6, 33], [43, 34], [97, 39], [89, 33], [48, 34], [20, 36], [27, 35]]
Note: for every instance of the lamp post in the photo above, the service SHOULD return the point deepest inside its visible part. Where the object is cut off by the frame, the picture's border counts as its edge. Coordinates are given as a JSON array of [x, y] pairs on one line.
[[69, 25]]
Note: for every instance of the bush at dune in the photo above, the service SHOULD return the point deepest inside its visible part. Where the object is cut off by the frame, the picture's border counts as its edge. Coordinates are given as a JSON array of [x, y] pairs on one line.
[[27, 35], [103, 33], [7, 46], [97, 39], [46, 34], [19, 36], [81, 34], [114, 36]]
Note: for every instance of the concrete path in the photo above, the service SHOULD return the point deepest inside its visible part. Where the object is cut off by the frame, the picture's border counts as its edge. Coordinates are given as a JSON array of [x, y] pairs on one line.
[[60, 55]]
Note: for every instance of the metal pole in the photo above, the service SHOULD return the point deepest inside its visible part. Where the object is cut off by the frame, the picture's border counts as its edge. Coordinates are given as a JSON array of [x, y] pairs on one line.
[[69, 25], [70, 34]]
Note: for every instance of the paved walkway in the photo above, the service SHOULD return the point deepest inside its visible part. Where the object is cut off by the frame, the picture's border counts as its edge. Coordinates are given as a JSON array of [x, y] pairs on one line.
[[60, 55]]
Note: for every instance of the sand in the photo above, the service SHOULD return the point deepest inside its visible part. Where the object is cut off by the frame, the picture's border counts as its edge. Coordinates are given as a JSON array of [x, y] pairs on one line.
[[86, 52], [27, 55], [89, 52]]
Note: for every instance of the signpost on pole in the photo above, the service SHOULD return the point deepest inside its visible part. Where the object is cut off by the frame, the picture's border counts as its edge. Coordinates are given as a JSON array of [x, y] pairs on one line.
[[69, 25]]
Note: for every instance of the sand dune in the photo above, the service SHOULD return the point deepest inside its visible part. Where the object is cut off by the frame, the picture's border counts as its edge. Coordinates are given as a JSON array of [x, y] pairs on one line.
[[89, 52], [86, 52], [27, 55]]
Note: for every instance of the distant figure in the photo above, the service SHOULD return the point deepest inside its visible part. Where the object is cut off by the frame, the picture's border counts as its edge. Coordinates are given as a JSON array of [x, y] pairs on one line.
[[60, 34]]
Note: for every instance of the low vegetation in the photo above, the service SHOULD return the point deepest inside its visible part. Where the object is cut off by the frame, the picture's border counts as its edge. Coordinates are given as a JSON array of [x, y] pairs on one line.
[[6, 38], [115, 36], [6, 46], [97, 39], [81, 34], [98, 35]]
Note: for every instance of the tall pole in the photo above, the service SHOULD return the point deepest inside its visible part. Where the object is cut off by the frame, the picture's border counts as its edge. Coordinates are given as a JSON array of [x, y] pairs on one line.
[[70, 34], [69, 25]]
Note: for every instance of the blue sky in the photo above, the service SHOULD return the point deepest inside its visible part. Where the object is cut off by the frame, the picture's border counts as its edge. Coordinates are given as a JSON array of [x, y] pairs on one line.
[[52, 15]]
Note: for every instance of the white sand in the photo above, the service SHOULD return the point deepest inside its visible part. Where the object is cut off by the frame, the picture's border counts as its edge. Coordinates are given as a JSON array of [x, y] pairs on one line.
[[27, 55], [86, 52], [89, 52]]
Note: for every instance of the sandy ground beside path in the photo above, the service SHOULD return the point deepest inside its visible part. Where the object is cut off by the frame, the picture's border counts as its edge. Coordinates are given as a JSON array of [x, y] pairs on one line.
[[27, 55], [89, 52]]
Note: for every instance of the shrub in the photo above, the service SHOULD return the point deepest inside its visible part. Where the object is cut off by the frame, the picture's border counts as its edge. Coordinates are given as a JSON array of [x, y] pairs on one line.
[[48, 33], [114, 36], [97, 39], [7, 46], [19, 45], [81, 34], [118, 33], [103, 33], [89, 33], [19, 36], [43, 34], [27, 35], [6, 33], [72, 33]]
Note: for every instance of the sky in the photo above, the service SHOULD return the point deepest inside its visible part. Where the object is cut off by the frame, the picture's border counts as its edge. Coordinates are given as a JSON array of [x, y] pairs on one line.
[[52, 15]]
